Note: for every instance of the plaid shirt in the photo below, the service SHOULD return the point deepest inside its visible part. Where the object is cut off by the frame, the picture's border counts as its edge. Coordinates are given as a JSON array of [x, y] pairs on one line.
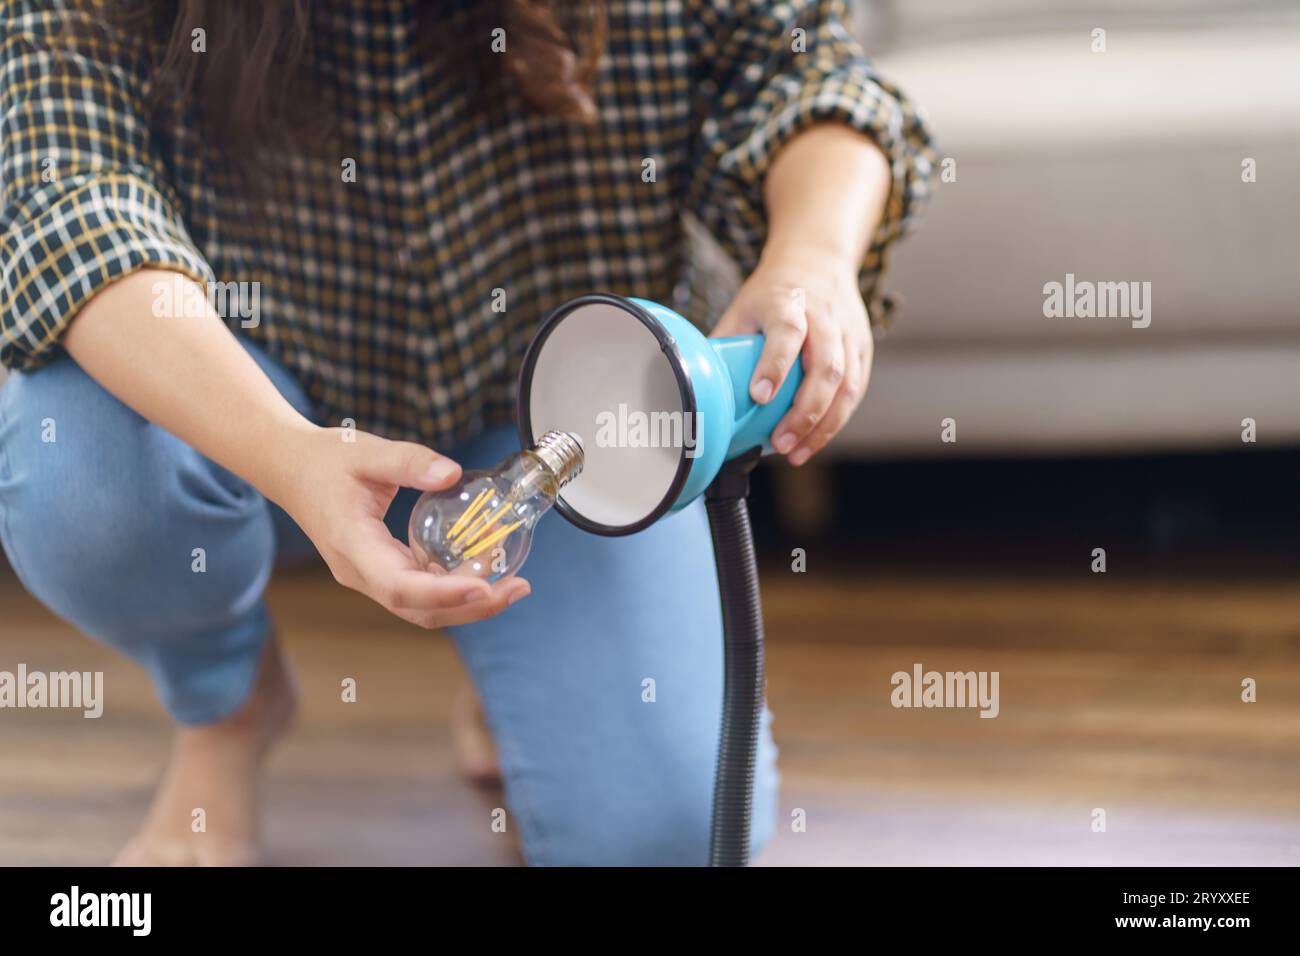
[[404, 300]]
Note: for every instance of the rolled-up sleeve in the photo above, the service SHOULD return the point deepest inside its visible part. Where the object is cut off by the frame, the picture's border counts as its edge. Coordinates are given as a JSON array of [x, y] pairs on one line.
[[83, 198], [765, 71]]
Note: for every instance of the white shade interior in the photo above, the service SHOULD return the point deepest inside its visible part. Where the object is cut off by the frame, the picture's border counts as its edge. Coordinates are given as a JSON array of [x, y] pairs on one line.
[[600, 367]]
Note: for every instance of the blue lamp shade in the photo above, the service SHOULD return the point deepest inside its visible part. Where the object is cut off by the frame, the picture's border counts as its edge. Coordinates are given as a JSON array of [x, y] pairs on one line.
[[657, 406]]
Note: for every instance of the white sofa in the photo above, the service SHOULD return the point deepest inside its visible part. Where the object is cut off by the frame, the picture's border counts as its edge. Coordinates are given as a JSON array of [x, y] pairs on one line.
[[1114, 166]]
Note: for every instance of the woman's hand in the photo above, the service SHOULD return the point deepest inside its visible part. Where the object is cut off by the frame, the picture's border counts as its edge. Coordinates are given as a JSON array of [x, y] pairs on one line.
[[809, 309], [339, 491], [824, 195], [191, 376]]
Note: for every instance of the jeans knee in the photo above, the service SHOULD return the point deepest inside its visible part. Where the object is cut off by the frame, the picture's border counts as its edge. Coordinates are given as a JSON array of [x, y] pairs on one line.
[[667, 829], [111, 521], [663, 832], [667, 823]]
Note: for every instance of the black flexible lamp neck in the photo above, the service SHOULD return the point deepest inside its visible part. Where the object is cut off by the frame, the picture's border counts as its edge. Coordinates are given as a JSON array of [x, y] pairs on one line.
[[742, 635]]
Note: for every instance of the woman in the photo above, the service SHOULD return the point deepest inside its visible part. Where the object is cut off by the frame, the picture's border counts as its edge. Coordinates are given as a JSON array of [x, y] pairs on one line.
[[388, 197]]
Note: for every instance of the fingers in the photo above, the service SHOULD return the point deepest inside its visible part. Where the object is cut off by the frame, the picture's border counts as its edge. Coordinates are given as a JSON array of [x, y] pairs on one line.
[[384, 570], [421, 591], [783, 336], [842, 406], [408, 465], [390, 575], [813, 312], [505, 592], [436, 600], [825, 363]]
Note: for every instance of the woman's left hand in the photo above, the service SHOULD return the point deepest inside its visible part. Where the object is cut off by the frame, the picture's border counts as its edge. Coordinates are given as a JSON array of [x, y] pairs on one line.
[[809, 308]]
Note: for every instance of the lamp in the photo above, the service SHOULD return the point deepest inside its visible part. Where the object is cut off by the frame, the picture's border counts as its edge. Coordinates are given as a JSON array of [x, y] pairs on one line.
[[664, 415]]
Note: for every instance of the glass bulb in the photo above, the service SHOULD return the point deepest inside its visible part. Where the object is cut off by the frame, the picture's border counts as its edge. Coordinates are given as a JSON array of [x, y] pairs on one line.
[[483, 526]]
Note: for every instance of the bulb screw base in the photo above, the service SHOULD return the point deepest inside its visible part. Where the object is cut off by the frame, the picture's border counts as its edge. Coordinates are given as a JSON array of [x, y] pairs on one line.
[[562, 453]]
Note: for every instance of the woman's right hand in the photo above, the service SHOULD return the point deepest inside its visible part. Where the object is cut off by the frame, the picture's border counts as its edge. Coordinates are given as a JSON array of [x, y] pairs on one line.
[[338, 492], [189, 375]]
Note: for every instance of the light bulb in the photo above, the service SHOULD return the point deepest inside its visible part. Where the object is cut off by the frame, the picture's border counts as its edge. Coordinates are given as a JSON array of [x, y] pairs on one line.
[[483, 526]]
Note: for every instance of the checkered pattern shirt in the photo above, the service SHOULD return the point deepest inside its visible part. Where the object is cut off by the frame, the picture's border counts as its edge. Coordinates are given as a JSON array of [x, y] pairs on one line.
[[404, 300]]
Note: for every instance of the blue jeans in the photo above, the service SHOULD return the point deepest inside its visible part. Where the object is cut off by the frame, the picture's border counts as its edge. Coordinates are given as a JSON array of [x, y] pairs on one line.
[[101, 524]]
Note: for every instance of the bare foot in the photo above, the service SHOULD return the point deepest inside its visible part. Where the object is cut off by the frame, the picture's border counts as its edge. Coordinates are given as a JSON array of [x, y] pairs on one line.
[[215, 768], [476, 753]]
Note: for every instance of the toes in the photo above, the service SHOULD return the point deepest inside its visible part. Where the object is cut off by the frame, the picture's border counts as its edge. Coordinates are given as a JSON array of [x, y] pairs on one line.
[[211, 851], [229, 853]]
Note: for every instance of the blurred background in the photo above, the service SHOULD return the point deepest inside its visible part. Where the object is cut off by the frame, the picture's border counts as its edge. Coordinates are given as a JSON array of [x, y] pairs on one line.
[[1119, 691]]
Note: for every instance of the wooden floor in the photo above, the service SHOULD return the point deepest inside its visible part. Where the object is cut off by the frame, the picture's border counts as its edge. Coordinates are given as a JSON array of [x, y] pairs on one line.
[[1121, 697]]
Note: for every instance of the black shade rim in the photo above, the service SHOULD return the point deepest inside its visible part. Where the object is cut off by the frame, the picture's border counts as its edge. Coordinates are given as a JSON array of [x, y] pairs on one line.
[[667, 344]]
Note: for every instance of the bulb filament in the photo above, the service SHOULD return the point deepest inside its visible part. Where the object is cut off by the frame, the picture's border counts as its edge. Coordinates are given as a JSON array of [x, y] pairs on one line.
[[479, 528], [508, 499]]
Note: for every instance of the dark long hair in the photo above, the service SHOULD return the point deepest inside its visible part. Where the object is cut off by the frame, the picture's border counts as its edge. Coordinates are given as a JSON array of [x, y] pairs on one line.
[[250, 87]]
